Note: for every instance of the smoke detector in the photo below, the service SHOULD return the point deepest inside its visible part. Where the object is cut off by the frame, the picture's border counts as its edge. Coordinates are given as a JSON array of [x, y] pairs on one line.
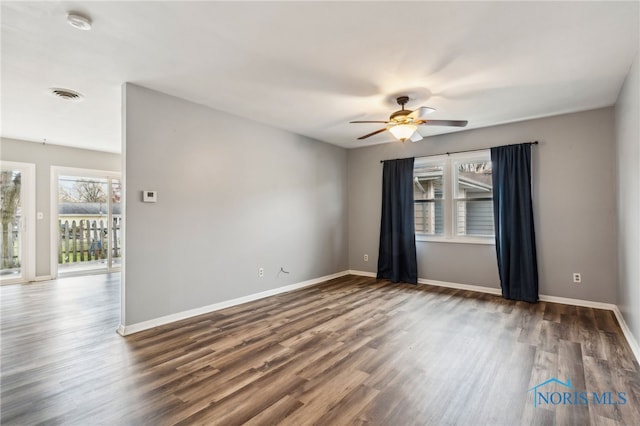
[[66, 94], [79, 21]]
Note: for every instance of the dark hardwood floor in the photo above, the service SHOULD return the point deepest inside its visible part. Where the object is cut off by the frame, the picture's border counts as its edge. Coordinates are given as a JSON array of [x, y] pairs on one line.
[[348, 351]]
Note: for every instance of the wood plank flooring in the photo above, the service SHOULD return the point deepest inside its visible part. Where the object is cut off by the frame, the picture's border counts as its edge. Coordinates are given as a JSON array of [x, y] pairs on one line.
[[348, 351]]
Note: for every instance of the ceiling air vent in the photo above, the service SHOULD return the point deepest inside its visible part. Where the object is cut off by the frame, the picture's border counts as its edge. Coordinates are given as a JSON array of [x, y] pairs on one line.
[[66, 94]]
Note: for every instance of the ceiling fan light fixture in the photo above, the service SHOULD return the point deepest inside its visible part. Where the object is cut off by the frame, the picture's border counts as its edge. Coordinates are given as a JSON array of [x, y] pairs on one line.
[[403, 124], [402, 132]]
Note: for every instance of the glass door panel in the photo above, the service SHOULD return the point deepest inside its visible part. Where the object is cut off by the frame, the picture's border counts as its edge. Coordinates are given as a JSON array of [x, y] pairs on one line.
[[115, 253], [83, 224], [12, 235]]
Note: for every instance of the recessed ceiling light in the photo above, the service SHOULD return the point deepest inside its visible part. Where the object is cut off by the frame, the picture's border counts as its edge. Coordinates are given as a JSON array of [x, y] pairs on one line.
[[78, 21], [66, 94]]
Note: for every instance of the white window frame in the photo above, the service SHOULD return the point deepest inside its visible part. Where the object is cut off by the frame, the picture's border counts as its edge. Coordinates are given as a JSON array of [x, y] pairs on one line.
[[449, 163]]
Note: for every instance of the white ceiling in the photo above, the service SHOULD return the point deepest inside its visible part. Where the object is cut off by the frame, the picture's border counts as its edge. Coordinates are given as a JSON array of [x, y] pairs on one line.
[[310, 67]]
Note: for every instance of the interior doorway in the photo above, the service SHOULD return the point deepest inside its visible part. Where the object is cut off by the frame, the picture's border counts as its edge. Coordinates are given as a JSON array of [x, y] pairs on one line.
[[87, 222]]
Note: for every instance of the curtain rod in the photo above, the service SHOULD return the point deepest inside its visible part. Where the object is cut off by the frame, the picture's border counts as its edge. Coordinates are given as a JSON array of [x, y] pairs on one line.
[[470, 150]]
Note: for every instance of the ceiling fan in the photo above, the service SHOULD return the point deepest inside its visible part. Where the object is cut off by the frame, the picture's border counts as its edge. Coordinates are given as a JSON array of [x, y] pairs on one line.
[[403, 124]]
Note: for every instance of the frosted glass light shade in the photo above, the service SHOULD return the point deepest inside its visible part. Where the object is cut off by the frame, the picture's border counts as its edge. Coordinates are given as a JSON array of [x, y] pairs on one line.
[[402, 132]]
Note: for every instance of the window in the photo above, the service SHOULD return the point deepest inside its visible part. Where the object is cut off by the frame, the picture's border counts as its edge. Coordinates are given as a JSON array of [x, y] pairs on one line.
[[428, 195], [453, 198]]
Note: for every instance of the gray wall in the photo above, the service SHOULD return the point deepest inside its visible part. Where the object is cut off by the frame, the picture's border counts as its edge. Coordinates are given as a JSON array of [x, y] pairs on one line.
[[45, 156], [233, 195], [628, 184], [574, 205]]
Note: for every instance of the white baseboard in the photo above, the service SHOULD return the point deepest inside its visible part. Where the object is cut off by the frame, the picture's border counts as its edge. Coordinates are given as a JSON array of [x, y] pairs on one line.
[[476, 288], [42, 278], [576, 302], [633, 343], [362, 273], [635, 348], [125, 330]]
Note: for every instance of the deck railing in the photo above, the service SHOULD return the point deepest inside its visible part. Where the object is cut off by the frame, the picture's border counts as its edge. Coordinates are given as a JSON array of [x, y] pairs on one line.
[[88, 240]]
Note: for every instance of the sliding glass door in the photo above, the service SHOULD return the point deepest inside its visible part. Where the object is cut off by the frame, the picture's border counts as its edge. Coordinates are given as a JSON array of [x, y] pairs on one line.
[[88, 222], [16, 235]]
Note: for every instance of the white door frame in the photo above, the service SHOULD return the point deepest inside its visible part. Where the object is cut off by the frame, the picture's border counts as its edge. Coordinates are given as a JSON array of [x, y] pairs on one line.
[[28, 203], [56, 172]]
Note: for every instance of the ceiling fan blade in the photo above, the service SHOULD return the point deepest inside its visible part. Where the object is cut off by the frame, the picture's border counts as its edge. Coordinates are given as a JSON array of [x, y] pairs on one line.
[[454, 123], [416, 137], [372, 133], [385, 122], [421, 112]]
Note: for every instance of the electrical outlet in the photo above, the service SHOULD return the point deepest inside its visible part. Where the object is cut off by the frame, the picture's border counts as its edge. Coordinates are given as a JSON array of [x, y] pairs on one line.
[[577, 277], [366, 257], [260, 272]]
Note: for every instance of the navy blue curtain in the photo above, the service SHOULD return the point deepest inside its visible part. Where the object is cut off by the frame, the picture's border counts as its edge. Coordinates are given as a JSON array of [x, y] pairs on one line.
[[397, 252], [513, 216]]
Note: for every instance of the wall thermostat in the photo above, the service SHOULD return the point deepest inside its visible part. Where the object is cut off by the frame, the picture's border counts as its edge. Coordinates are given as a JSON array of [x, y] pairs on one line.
[[149, 196]]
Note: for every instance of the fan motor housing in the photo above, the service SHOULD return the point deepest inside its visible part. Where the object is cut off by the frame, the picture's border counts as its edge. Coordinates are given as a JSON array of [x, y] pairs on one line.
[[399, 115]]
